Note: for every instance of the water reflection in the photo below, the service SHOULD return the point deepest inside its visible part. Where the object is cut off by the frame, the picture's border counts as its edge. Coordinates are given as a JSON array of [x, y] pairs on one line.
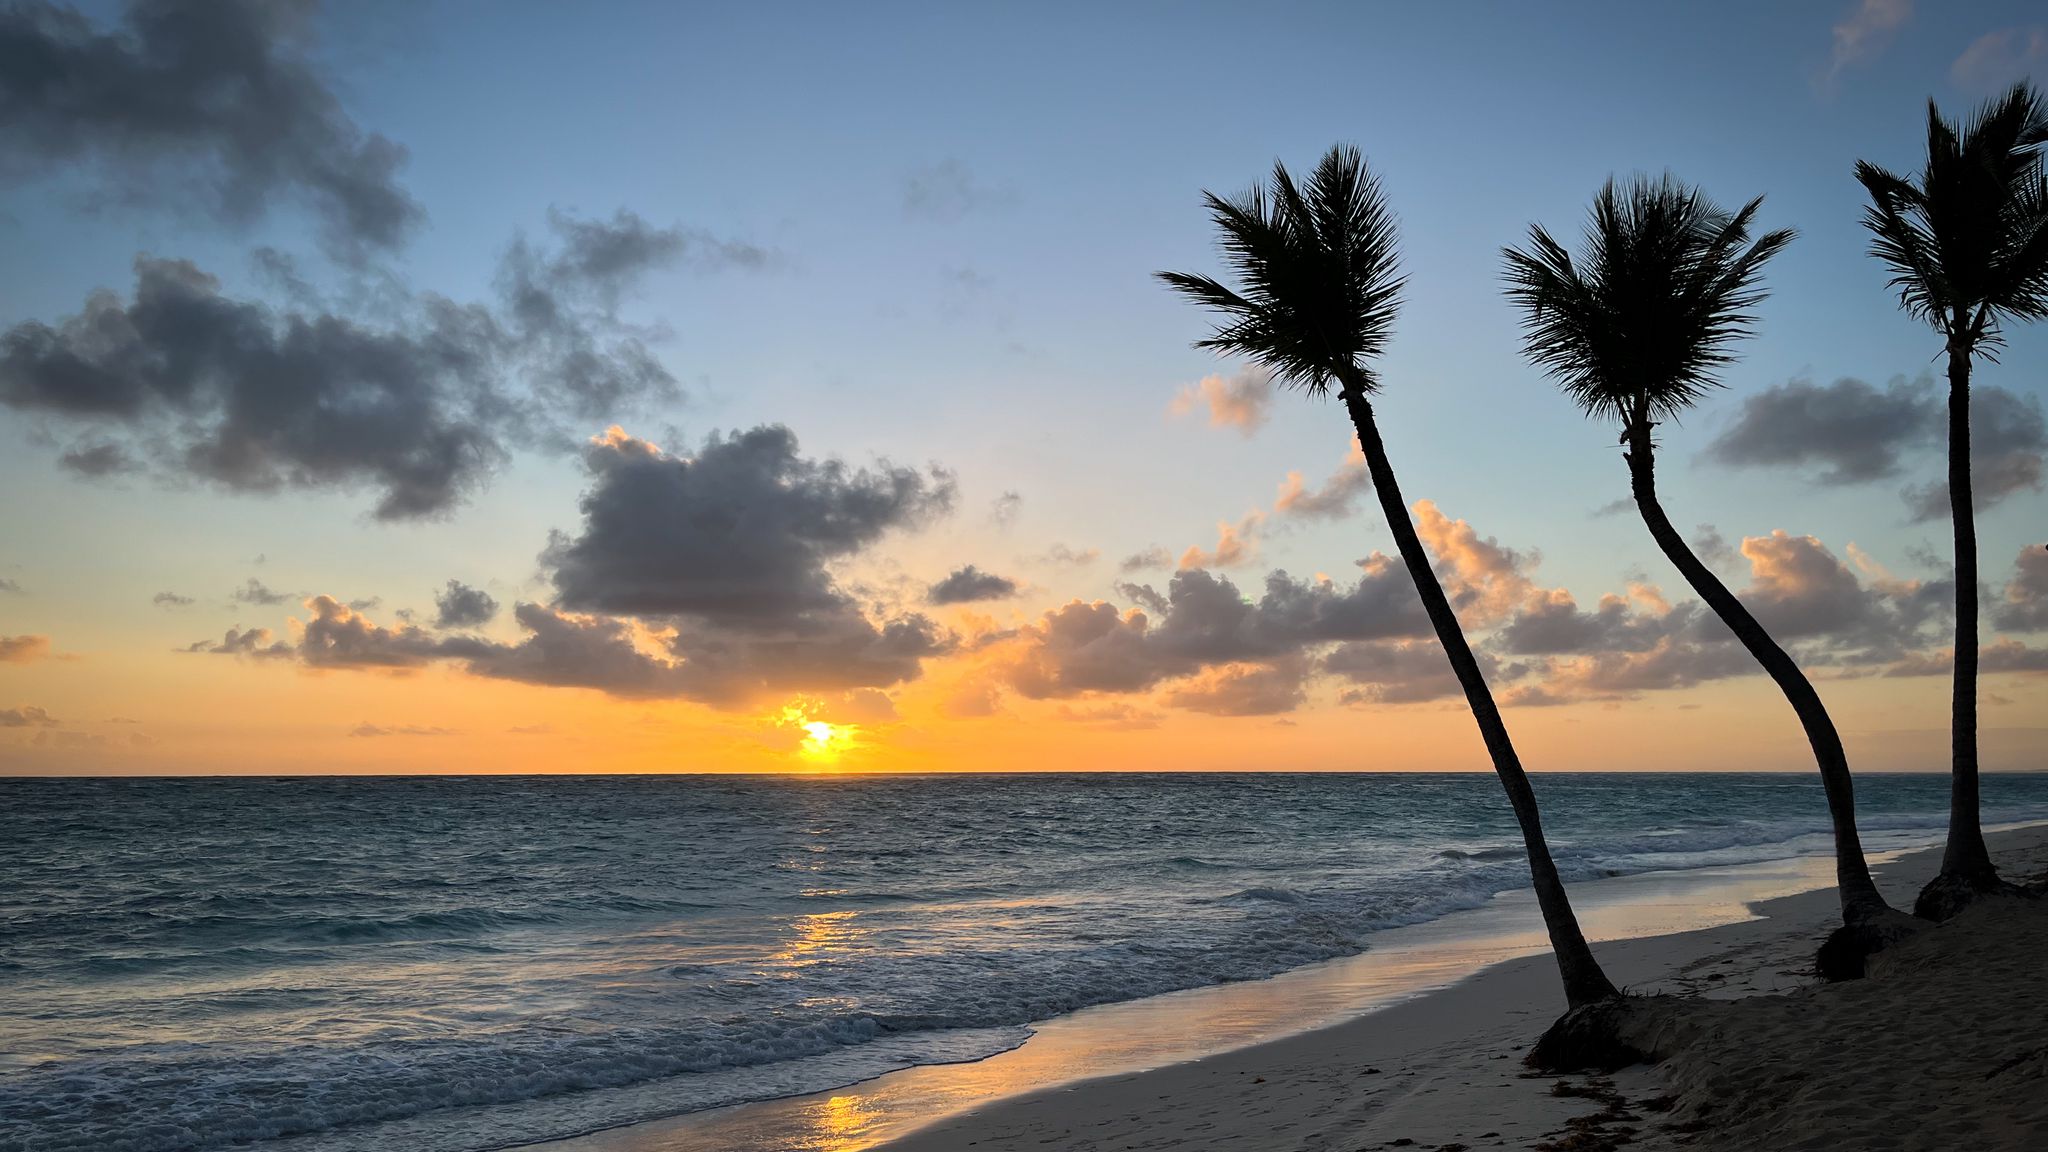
[[1136, 1035]]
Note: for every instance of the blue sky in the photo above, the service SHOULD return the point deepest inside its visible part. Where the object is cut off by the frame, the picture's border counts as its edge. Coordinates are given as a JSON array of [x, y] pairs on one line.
[[960, 208]]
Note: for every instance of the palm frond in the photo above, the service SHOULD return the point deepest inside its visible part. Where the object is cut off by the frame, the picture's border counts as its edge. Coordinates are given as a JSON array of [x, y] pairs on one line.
[[1636, 326], [1318, 273], [1967, 245]]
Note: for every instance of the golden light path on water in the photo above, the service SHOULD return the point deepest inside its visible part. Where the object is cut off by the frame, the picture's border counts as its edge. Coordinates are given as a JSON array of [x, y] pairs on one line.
[[1116, 1039]]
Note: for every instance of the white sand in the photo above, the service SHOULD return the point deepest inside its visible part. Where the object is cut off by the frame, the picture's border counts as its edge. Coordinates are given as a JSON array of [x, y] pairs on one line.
[[1443, 1071]]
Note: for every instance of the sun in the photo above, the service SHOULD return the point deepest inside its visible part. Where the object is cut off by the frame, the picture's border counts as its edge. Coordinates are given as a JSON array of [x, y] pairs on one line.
[[824, 741]]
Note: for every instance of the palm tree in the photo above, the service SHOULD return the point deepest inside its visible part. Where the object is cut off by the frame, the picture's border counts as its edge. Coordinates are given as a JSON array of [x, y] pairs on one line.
[[1968, 250], [1634, 329], [1320, 283]]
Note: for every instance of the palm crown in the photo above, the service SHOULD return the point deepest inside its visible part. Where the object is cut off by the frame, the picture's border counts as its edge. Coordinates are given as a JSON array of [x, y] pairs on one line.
[[1639, 325], [1320, 279], [1969, 243]]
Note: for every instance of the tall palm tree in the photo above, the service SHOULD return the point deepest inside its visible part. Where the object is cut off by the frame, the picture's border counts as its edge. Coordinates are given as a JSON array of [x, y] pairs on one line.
[[1634, 329], [1319, 286], [1968, 250]]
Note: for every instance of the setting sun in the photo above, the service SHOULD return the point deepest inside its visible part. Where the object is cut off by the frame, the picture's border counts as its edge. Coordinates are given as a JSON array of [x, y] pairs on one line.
[[825, 741]]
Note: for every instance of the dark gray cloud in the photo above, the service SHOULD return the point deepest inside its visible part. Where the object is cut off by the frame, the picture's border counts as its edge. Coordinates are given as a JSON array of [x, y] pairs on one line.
[[1150, 559], [10, 587], [254, 591], [97, 459], [2024, 605], [1554, 624], [560, 309], [171, 600], [968, 584], [2008, 439], [27, 716], [1849, 433], [419, 409], [1396, 672], [1848, 430], [702, 577], [231, 394], [256, 643], [212, 103], [1206, 623], [459, 606], [741, 531]]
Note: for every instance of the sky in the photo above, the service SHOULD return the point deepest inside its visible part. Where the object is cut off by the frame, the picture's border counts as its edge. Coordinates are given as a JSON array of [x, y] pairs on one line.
[[646, 387]]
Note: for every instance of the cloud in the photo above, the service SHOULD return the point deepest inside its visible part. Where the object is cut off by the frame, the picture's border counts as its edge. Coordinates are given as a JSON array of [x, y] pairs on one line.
[[254, 591], [1244, 689], [1848, 430], [968, 584], [460, 606], [1335, 499], [420, 408], [27, 716], [1005, 509], [2024, 606], [216, 103], [2008, 439], [741, 531], [1062, 556], [258, 403], [1236, 545], [171, 600], [1996, 59], [2000, 656], [864, 706], [1486, 581], [1399, 672], [1145, 561], [24, 649], [98, 459], [1206, 623], [1850, 433], [1241, 401], [10, 587], [256, 643], [367, 729], [1862, 34], [946, 191], [700, 577]]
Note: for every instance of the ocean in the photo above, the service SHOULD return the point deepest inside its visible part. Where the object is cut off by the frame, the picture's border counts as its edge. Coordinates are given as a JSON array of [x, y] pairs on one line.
[[453, 964]]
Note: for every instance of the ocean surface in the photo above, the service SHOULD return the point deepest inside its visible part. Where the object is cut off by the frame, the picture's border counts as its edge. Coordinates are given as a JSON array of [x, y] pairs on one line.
[[457, 964]]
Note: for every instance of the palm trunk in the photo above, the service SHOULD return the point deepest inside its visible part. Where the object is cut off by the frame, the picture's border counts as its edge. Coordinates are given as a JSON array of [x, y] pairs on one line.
[[1966, 863], [1861, 902], [1584, 982]]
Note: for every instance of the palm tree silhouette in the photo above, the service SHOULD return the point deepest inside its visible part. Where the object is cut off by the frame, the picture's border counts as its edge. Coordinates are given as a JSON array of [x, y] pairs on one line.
[[1968, 250], [1634, 329], [1320, 283]]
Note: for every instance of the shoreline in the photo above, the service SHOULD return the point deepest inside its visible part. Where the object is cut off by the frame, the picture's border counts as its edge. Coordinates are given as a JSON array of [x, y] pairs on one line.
[[1483, 974]]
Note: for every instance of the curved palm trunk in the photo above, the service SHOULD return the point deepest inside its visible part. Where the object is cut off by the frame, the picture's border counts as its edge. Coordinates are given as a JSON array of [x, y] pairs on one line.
[[1860, 899], [1966, 862], [1584, 982]]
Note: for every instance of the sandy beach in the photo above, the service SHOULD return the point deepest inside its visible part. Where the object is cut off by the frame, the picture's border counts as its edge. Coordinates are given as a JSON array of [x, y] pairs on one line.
[[1942, 1048], [1443, 1070]]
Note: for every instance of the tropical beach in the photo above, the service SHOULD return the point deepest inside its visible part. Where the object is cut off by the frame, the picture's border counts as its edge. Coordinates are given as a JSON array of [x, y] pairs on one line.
[[1445, 1067], [639, 577]]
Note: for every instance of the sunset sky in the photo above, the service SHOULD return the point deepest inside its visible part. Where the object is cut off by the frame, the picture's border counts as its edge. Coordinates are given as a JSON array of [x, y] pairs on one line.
[[651, 387]]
